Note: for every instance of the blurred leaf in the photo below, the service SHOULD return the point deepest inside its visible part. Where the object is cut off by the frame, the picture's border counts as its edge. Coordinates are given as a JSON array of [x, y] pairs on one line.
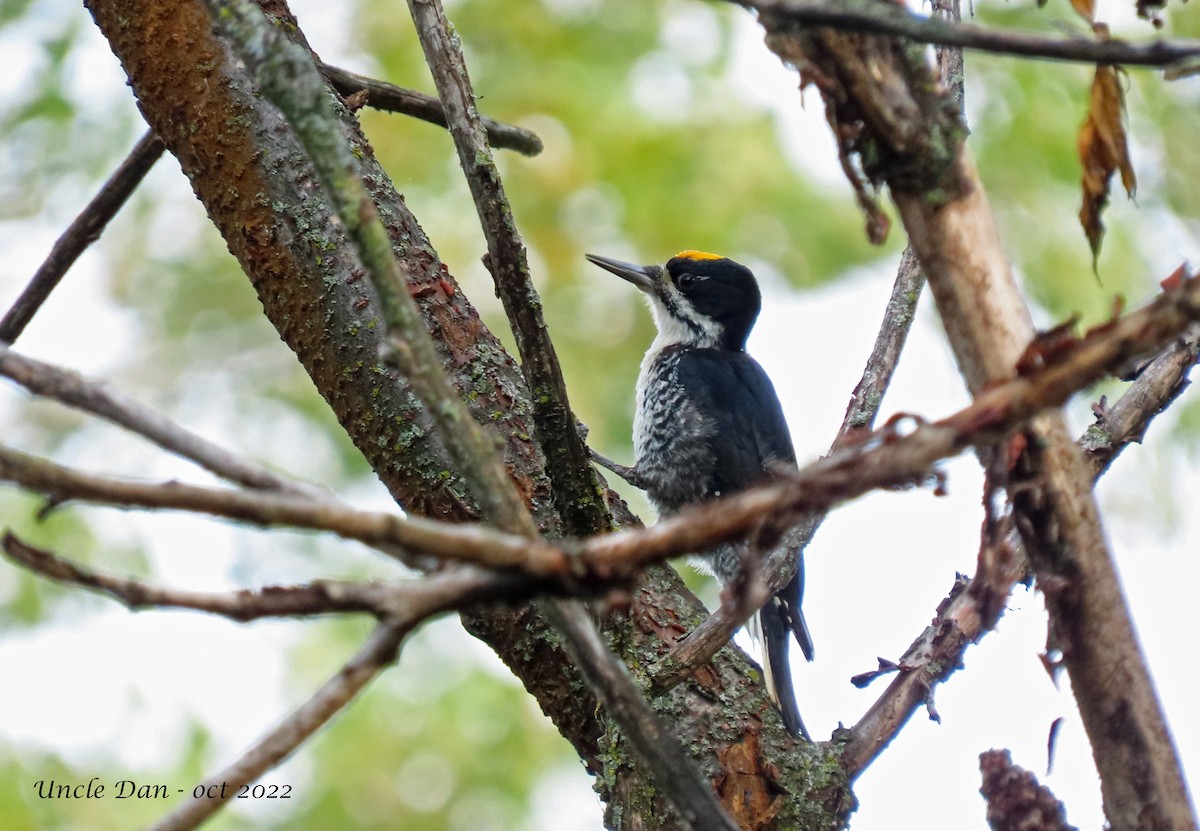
[[1103, 150], [1085, 9]]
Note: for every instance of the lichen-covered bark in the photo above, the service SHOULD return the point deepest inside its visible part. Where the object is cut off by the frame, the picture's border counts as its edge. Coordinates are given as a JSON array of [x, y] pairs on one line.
[[891, 112], [262, 194]]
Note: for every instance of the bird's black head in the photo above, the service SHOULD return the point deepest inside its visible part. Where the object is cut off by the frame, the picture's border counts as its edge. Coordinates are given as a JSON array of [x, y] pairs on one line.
[[699, 299]]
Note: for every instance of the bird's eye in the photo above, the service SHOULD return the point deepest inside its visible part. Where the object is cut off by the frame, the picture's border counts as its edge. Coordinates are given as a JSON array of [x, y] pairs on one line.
[[686, 281]]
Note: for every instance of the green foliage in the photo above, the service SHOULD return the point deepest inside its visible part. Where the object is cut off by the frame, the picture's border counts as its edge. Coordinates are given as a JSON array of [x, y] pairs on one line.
[[437, 744], [1024, 119], [652, 145]]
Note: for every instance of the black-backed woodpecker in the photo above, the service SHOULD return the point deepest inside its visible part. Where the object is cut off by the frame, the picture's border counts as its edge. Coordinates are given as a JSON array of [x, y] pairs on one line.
[[708, 422]]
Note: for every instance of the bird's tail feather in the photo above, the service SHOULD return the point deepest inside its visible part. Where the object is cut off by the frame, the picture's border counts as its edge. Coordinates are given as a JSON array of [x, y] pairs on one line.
[[775, 635]]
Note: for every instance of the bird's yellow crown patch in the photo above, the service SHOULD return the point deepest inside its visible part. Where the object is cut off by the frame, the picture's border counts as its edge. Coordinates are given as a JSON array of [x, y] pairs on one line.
[[689, 254]]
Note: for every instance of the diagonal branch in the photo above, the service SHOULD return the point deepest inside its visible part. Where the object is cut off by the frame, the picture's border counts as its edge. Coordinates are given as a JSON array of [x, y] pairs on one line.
[[375, 655], [575, 486], [290, 80], [573, 479], [72, 389], [317, 598], [890, 19], [384, 96], [885, 459], [81, 233], [970, 612], [889, 111], [689, 792]]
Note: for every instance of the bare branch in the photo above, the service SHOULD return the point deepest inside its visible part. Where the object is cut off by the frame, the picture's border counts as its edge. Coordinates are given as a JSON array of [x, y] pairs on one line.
[[384, 96], [574, 483], [317, 598], [973, 609], [72, 389], [290, 80], [407, 600], [474, 543], [374, 656], [886, 459], [674, 774], [81, 233], [1157, 385], [890, 19], [893, 332], [966, 615]]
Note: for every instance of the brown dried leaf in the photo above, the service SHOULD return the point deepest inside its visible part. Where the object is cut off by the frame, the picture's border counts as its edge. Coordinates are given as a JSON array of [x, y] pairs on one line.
[[1084, 8], [1103, 150]]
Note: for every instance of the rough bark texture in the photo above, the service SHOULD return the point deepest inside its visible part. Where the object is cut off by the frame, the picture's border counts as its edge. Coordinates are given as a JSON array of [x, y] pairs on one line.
[[897, 122], [1015, 799], [259, 190]]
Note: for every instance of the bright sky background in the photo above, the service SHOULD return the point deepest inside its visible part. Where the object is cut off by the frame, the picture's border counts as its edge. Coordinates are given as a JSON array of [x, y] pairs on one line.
[[876, 571]]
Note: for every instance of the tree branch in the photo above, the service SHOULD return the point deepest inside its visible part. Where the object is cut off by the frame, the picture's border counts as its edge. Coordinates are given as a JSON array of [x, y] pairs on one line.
[[885, 459], [889, 19], [413, 600], [72, 389], [573, 480], [889, 111], [973, 610], [317, 598], [885, 354], [472, 543], [384, 96], [379, 651], [81, 233], [674, 774], [1157, 385], [290, 80]]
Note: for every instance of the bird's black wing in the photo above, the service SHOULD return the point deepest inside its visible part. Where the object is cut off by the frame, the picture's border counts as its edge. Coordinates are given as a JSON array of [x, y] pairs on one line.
[[750, 434], [751, 438]]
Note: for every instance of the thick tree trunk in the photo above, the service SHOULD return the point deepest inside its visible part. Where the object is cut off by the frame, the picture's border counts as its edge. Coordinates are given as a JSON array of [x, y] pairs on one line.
[[260, 191]]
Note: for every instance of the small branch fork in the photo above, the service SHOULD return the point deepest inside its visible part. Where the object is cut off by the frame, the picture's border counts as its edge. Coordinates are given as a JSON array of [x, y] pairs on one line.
[[86, 228], [886, 458], [973, 607], [890, 19], [889, 457]]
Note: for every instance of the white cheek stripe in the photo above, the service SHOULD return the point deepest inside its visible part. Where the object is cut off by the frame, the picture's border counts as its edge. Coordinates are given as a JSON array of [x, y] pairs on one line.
[[679, 322]]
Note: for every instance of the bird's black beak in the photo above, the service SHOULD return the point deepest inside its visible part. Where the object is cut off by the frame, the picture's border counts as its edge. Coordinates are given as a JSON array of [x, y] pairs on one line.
[[642, 276]]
